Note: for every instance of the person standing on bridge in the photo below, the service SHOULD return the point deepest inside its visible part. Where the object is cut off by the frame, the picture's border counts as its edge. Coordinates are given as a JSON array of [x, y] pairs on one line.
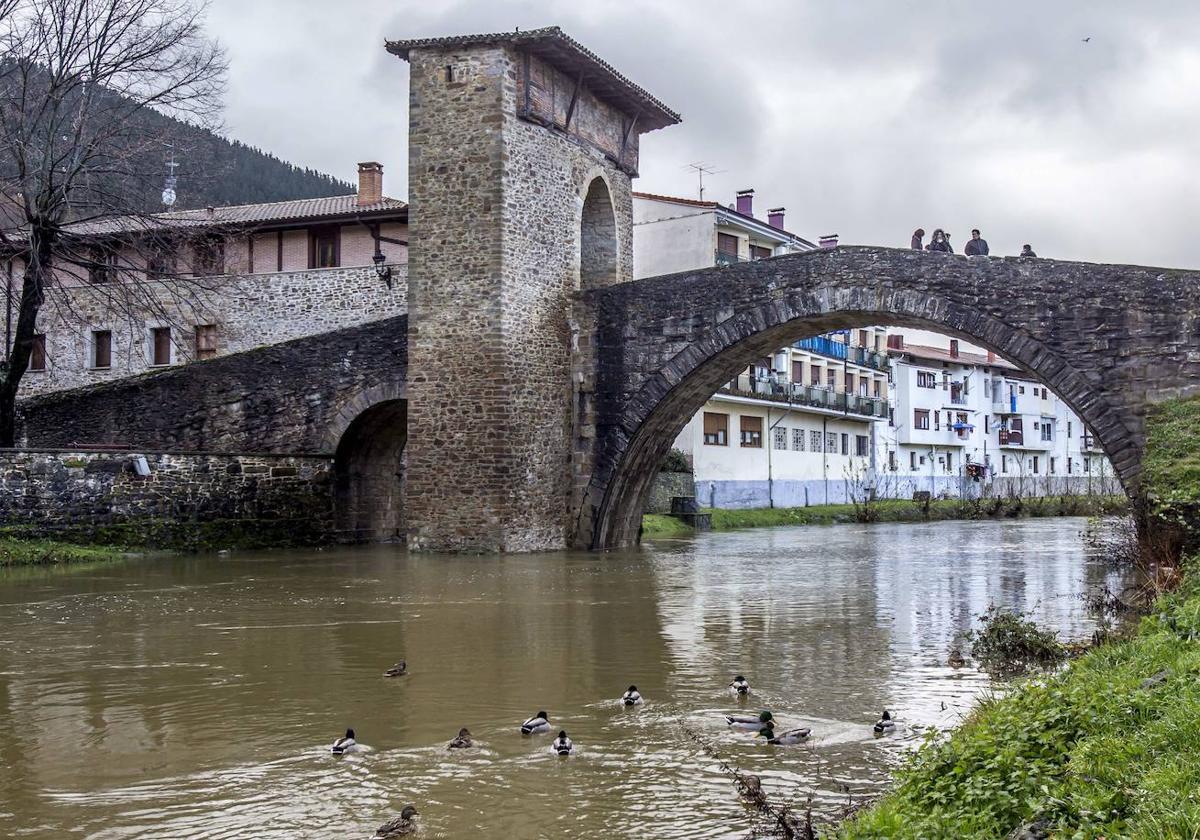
[[938, 242], [976, 246], [918, 238], [1026, 251]]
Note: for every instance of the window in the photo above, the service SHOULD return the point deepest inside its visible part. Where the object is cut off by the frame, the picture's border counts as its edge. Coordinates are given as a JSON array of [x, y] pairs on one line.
[[1087, 464], [798, 440], [814, 440], [798, 372], [757, 252], [862, 386], [206, 341], [876, 388], [920, 418], [816, 375], [324, 246], [912, 460], [1068, 430], [1021, 389], [210, 256], [831, 378], [1051, 470], [162, 261], [1003, 463], [892, 416], [751, 428], [845, 444], [1035, 464], [1047, 431], [102, 266], [849, 383], [863, 340], [160, 346], [860, 445], [716, 429], [921, 460], [949, 462], [37, 353], [892, 465], [831, 442], [937, 421], [102, 349], [779, 435], [727, 244], [925, 379], [1070, 465], [987, 424], [878, 342]]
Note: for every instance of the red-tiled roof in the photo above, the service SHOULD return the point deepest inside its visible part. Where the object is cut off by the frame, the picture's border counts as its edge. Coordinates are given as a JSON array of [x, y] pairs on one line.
[[940, 354], [561, 50], [691, 202]]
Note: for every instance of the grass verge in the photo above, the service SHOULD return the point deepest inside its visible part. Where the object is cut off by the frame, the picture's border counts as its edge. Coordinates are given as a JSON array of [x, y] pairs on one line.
[[1109, 747], [661, 525], [29, 552]]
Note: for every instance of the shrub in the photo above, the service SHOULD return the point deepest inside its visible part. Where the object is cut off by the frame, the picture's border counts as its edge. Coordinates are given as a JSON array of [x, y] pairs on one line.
[[1009, 643], [675, 462]]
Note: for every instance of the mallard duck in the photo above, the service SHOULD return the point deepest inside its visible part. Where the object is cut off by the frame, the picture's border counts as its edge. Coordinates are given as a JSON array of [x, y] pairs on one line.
[[345, 744], [397, 670], [956, 659], [402, 826], [750, 789], [787, 739], [885, 723], [631, 697], [462, 741], [750, 723], [536, 724], [739, 685], [562, 744]]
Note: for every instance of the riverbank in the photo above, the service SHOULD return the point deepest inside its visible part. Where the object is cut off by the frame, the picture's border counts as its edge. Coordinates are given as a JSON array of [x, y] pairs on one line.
[[1110, 747], [892, 510], [29, 552]]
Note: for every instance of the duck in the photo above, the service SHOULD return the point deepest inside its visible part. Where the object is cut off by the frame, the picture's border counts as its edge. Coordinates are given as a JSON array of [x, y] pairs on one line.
[[631, 697], [750, 723], [345, 744], [787, 739], [885, 722], [397, 670], [956, 658], [462, 741], [537, 724], [750, 789], [740, 686], [562, 744], [401, 826]]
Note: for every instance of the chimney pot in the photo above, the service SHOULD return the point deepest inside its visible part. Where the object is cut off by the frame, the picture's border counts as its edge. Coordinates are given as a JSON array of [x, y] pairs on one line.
[[745, 202], [775, 218], [370, 183], [991, 357]]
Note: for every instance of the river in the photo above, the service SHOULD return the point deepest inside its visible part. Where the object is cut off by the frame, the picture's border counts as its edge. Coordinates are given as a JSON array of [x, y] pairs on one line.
[[197, 697]]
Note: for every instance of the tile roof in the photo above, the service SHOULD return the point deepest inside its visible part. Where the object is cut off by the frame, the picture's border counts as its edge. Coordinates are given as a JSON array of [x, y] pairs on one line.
[[564, 52], [275, 212], [713, 205], [940, 354], [691, 202]]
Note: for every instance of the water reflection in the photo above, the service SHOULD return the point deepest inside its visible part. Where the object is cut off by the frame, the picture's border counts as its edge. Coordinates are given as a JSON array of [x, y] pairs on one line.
[[198, 698]]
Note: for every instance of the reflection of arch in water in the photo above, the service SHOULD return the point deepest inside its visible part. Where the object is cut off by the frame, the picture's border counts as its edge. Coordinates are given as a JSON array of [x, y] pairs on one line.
[[597, 238], [368, 470]]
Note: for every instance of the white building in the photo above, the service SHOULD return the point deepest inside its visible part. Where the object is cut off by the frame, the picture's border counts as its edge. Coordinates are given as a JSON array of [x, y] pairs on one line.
[[796, 428]]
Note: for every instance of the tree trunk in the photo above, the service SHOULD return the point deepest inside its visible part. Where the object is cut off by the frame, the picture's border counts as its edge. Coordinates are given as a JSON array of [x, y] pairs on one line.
[[37, 272]]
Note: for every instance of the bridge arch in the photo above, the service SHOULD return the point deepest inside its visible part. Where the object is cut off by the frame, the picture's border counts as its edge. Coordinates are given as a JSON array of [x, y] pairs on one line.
[[663, 346], [368, 472]]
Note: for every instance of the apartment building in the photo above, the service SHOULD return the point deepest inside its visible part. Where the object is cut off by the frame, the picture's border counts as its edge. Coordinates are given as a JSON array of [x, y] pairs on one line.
[[797, 427], [965, 422], [151, 292]]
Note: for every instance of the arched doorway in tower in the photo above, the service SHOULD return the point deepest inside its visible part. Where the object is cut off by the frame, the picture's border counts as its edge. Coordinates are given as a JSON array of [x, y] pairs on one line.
[[369, 475], [598, 238]]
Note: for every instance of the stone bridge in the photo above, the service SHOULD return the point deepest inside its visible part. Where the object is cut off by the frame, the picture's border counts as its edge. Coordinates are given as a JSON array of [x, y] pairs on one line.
[[1109, 339]]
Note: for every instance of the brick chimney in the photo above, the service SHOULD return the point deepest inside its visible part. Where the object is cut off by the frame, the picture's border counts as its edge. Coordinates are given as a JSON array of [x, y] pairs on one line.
[[991, 357], [954, 348], [775, 218], [370, 183], [745, 202]]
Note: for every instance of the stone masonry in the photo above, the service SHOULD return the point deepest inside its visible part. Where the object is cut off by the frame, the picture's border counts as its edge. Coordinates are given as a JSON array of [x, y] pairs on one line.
[[1109, 339]]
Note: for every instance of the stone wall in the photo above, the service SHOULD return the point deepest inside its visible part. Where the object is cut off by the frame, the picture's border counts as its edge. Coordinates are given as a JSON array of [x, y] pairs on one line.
[[200, 501], [666, 485], [248, 311], [297, 397], [495, 226]]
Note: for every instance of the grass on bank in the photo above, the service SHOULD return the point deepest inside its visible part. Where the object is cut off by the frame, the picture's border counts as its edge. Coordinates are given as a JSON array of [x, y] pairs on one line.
[[1110, 747], [890, 510], [15, 551]]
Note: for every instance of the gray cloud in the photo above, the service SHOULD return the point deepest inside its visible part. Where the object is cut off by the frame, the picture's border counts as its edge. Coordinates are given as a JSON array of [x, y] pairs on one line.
[[866, 118]]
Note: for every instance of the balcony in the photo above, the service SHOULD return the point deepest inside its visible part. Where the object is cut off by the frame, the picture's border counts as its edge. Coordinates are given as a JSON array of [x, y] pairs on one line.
[[814, 396], [869, 358], [1011, 438], [726, 258], [824, 345]]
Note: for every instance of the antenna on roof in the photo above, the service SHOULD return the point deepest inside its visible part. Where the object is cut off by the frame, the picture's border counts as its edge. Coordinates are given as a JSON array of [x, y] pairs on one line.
[[168, 193], [702, 169]]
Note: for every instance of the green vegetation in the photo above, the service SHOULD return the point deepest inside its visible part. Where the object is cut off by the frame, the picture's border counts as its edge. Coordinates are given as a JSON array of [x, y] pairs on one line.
[[15, 551], [894, 510], [675, 461], [1009, 643], [662, 525], [1109, 747], [1171, 465]]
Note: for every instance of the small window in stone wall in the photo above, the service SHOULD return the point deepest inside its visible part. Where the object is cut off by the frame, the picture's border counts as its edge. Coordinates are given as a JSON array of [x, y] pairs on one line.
[[160, 346], [102, 349], [798, 440], [206, 341], [37, 354], [779, 434]]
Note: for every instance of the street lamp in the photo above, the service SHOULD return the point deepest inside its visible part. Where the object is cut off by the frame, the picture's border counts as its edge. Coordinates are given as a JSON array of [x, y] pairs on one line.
[[384, 272]]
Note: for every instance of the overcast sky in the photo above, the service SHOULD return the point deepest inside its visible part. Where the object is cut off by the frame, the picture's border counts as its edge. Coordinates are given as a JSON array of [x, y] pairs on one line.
[[865, 118]]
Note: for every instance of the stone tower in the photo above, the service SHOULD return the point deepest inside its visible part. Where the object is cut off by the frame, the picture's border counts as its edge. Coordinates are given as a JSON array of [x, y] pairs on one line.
[[521, 150]]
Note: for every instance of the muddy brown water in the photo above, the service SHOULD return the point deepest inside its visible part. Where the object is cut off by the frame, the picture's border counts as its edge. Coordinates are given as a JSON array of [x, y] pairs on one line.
[[197, 697]]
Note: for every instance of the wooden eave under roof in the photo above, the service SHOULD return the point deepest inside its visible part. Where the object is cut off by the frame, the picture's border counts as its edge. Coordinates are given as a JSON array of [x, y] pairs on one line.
[[568, 55]]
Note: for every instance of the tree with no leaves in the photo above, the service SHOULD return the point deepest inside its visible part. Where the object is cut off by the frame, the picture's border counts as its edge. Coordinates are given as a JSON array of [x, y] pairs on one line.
[[77, 79]]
